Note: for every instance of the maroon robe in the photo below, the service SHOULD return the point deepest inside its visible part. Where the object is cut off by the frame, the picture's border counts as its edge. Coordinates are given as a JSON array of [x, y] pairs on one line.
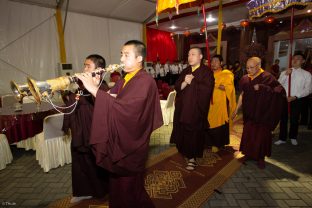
[[191, 111], [261, 113], [87, 178], [121, 130]]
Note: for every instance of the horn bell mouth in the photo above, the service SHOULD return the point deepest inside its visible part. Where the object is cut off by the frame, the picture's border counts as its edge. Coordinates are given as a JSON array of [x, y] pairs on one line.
[[34, 89], [17, 91]]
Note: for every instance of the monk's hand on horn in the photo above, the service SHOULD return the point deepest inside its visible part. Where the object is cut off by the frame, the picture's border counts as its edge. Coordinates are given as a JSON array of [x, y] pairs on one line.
[[88, 82]]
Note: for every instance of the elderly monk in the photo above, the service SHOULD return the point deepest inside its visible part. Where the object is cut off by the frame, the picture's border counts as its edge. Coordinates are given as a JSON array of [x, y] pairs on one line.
[[88, 179], [194, 89], [122, 126], [262, 99], [222, 107]]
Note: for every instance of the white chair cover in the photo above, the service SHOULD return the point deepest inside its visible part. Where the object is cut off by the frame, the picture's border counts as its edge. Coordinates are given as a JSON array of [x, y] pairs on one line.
[[5, 152], [167, 108], [27, 144], [52, 145]]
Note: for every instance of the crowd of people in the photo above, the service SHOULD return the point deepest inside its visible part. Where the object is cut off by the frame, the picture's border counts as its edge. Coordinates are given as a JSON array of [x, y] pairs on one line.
[[111, 127]]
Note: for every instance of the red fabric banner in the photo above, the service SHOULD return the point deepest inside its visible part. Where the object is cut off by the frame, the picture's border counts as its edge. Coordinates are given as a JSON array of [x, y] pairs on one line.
[[160, 46]]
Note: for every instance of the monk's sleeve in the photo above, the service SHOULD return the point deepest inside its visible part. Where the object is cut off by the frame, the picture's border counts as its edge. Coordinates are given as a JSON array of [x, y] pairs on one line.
[[204, 89], [275, 97], [230, 91], [178, 83], [121, 127]]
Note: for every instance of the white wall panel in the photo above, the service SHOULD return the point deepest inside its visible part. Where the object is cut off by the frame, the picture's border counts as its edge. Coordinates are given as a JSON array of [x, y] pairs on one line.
[[33, 50], [119, 33]]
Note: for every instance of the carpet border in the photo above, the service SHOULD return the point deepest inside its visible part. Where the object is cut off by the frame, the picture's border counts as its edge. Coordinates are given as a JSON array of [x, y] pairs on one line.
[[204, 192]]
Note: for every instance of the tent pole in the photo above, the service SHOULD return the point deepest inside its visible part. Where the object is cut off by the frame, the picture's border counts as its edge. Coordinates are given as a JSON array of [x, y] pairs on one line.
[[206, 35]]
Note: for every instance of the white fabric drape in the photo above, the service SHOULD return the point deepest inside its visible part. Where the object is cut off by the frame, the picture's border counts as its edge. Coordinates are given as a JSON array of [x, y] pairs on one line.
[[29, 36], [85, 35], [5, 152]]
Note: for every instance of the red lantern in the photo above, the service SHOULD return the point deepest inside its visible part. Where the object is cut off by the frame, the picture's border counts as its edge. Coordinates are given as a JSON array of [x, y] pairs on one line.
[[244, 23], [269, 20], [202, 29], [187, 33]]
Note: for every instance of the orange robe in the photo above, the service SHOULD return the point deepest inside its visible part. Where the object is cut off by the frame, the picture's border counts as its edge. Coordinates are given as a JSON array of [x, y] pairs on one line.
[[219, 111]]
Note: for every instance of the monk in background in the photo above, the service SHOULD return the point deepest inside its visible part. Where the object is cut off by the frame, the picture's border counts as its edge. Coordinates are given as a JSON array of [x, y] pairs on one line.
[[222, 106], [262, 99], [122, 126], [194, 89], [88, 180]]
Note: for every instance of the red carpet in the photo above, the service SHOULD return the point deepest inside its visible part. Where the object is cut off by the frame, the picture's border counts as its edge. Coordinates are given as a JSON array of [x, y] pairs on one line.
[[169, 184]]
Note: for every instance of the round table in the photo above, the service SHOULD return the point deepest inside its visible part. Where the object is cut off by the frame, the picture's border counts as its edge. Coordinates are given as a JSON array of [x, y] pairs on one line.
[[20, 125]]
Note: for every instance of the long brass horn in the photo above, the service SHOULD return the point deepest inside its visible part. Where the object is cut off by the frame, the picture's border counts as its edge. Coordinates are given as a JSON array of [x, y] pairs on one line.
[[41, 89], [19, 91]]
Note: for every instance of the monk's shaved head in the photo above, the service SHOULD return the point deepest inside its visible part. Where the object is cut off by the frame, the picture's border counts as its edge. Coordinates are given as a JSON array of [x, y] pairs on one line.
[[256, 60]]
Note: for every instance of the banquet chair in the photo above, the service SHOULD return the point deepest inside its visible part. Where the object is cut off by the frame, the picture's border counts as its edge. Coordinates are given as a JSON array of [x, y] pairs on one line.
[[167, 108], [8, 100], [5, 152], [53, 145]]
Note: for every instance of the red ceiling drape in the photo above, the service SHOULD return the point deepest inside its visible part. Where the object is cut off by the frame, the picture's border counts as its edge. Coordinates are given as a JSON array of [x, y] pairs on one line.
[[160, 46]]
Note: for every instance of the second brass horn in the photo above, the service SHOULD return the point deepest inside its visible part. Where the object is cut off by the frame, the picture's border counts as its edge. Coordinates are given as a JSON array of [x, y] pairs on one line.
[[20, 91], [41, 89]]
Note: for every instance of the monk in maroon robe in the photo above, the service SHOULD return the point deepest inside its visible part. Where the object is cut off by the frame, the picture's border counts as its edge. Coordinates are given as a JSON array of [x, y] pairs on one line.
[[88, 180], [194, 89], [122, 126], [262, 99]]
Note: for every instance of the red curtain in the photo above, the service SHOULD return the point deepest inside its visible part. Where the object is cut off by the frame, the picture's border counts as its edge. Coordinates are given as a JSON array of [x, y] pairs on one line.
[[160, 45]]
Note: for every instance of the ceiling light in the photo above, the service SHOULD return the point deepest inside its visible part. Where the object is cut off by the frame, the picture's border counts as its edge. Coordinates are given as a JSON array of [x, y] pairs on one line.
[[210, 18], [172, 27], [281, 21], [309, 11]]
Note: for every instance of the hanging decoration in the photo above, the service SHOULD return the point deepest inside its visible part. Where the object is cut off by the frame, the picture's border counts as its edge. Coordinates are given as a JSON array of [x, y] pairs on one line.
[[258, 8], [172, 35], [202, 29], [187, 33], [169, 5], [269, 20], [244, 23]]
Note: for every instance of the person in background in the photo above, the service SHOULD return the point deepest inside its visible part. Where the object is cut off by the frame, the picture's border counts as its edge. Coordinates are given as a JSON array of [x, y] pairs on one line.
[[262, 99], [275, 69], [222, 107], [88, 180], [194, 89], [122, 126], [301, 86]]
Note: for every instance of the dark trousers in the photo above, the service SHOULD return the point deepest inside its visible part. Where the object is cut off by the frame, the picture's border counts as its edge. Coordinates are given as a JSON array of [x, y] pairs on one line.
[[294, 120], [310, 111], [304, 111]]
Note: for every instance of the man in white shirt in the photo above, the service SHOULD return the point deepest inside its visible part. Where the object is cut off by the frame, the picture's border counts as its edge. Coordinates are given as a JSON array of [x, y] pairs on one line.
[[157, 69], [301, 86]]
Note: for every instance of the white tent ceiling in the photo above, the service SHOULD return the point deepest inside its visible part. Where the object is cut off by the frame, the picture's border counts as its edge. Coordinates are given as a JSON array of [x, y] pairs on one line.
[[130, 10], [143, 11]]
